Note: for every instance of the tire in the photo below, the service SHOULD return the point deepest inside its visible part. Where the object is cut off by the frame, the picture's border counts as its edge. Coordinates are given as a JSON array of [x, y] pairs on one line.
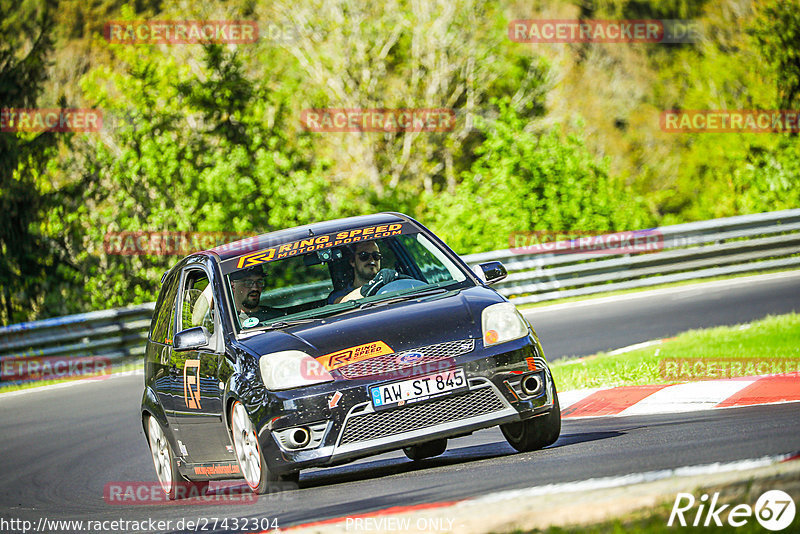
[[247, 450], [173, 484], [536, 433], [251, 462], [428, 449], [163, 459]]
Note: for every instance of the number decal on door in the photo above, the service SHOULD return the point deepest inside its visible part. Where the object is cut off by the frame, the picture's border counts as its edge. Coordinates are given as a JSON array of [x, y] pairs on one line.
[[191, 384]]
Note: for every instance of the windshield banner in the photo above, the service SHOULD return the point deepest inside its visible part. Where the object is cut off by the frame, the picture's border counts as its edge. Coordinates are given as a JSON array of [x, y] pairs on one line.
[[320, 242]]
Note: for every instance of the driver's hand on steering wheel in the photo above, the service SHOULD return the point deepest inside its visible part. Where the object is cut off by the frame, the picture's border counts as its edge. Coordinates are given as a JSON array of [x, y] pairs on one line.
[[383, 277]]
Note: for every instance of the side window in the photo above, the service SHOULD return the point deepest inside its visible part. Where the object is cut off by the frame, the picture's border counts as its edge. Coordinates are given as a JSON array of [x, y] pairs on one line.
[[197, 302], [164, 311]]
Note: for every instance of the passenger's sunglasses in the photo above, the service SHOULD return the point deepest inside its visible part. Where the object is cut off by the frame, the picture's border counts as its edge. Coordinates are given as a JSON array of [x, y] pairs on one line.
[[364, 255]]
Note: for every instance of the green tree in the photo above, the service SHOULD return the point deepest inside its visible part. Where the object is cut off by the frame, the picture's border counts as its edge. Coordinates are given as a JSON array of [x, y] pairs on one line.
[[523, 181], [776, 30], [30, 261], [196, 145]]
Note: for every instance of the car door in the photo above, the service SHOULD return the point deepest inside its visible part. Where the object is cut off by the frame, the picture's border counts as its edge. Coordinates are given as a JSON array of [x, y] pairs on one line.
[[197, 390]]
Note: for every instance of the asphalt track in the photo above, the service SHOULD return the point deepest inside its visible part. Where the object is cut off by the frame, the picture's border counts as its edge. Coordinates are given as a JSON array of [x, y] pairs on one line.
[[61, 446], [590, 326]]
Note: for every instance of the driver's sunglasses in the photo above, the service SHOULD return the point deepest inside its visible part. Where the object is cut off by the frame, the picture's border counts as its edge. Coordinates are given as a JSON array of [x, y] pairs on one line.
[[364, 255], [252, 283]]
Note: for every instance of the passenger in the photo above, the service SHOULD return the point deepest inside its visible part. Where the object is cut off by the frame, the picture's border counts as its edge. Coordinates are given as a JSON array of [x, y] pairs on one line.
[[367, 272]]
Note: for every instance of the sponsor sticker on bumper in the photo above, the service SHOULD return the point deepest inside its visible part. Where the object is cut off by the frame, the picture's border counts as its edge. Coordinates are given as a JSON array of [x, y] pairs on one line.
[[417, 389]]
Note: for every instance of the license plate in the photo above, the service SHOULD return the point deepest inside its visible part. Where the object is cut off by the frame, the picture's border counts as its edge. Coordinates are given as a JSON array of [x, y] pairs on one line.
[[417, 389]]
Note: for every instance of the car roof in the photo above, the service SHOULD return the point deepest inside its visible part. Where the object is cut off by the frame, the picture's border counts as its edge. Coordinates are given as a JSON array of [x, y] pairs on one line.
[[272, 239]]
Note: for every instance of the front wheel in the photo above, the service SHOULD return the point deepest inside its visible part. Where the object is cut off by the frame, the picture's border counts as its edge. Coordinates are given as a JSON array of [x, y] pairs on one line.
[[248, 453], [534, 434], [251, 461]]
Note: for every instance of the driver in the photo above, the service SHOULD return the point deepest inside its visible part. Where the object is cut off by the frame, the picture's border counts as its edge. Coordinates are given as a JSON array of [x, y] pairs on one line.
[[366, 264], [247, 285]]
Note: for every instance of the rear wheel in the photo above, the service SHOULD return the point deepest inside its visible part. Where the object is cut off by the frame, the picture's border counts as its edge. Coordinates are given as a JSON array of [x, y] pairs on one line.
[[163, 458], [173, 484], [536, 433], [428, 449]]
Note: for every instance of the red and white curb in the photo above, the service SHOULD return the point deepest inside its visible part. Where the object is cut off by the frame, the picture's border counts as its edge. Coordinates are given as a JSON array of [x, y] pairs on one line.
[[470, 514], [678, 398]]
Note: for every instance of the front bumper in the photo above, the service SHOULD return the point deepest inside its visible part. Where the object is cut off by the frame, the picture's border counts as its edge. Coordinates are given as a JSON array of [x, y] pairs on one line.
[[354, 429]]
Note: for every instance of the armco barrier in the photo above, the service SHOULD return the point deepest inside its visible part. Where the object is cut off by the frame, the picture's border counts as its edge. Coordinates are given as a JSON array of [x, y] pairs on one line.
[[689, 251], [741, 244], [118, 334]]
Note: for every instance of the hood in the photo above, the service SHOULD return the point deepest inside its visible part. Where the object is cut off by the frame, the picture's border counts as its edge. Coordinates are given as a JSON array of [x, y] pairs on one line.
[[451, 316]]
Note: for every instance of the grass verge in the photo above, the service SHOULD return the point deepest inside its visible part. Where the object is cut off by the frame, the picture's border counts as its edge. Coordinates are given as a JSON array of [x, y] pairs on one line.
[[762, 347], [654, 521]]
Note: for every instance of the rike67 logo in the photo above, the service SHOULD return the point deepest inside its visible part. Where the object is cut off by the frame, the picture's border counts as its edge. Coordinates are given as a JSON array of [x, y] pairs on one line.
[[774, 510]]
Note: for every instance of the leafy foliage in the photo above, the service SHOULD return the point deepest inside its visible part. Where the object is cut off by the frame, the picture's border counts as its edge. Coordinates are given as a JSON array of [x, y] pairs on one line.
[[30, 259], [523, 181], [209, 138], [193, 150]]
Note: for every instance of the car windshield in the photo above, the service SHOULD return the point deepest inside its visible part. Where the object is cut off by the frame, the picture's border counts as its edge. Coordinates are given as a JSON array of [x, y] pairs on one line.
[[332, 280]]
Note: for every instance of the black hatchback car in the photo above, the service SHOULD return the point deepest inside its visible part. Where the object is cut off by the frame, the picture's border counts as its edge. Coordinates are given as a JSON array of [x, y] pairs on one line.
[[321, 344]]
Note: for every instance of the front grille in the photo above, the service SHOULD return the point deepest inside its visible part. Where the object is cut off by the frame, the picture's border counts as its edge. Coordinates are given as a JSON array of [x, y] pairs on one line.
[[418, 416], [389, 363]]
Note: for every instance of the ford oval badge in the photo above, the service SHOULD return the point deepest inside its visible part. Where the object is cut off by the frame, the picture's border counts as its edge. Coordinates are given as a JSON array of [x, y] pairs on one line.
[[409, 357]]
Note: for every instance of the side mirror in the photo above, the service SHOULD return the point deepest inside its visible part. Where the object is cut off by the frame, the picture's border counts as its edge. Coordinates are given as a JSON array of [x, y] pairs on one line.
[[492, 271], [191, 339]]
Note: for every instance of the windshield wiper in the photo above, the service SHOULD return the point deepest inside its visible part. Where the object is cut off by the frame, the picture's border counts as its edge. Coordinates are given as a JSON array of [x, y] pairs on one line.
[[275, 325], [406, 296], [285, 324]]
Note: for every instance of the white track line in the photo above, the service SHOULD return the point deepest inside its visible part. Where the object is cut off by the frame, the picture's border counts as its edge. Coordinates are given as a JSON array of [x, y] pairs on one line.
[[626, 480]]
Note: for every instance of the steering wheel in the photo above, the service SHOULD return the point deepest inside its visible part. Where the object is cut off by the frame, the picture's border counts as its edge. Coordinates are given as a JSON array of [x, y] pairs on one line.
[[399, 285], [384, 278]]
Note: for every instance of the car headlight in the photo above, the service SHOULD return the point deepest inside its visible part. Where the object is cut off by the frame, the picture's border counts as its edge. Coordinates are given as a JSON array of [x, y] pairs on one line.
[[291, 369], [502, 322]]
